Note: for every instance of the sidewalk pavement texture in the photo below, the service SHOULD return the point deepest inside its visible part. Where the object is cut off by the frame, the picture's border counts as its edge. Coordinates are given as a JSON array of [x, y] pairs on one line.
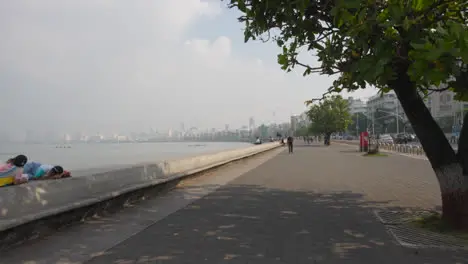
[[312, 206]]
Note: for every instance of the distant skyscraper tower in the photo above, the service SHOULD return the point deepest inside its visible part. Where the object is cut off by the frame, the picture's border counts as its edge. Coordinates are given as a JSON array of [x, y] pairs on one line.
[[182, 127], [67, 137], [251, 123], [226, 127]]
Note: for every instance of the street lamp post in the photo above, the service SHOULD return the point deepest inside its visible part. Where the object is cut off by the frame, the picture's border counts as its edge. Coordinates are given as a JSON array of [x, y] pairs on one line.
[[397, 116], [373, 126], [397, 123], [462, 110], [367, 118], [357, 124]]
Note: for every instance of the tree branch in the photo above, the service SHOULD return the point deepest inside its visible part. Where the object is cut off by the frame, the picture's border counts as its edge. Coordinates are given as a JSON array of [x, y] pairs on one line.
[[437, 89], [294, 61], [324, 96], [323, 36], [313, 69]]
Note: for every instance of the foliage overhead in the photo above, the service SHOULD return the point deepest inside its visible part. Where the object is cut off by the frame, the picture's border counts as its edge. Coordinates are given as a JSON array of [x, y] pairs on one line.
[[329, 115], [368, 42], [302, 131]]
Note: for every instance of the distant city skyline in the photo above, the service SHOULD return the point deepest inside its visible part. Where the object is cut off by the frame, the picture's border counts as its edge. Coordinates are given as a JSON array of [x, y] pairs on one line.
[[31, 135], [441, 105]]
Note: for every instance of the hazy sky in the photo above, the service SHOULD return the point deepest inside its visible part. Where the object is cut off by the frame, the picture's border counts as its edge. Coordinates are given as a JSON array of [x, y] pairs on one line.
[[128, 65]]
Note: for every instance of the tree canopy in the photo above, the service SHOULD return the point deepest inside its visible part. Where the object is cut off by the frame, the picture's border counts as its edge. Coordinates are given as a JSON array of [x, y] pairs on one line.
[[302, 131], [329, 115], [368, 42]]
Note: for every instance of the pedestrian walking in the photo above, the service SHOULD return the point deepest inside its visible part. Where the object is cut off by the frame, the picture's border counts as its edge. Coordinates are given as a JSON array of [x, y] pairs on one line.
[[290, 144]]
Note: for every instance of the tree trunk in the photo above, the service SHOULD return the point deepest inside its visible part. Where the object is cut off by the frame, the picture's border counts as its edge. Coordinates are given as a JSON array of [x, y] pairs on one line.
[[463, 146], [446, 164], [455, 203], [326, 140]]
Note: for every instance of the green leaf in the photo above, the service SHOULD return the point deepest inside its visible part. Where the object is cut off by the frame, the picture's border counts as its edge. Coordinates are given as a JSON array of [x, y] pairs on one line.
[[418, 5], [247, 36], [241, 5], [283, 59], [461, 96], [394, 11], [406, 23], [280, 42], [418, 45]]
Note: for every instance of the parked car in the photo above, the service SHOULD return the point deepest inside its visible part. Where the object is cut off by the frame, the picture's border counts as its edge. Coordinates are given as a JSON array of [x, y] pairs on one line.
[[403, 138], [385, 138]]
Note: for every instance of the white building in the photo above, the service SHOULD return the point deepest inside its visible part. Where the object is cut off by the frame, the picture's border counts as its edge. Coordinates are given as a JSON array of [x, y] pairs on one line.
[[387, 101], [356, 106], [251, 124], [67, 137], [442, 104], [294, 123], [447, 111], [389, 109]]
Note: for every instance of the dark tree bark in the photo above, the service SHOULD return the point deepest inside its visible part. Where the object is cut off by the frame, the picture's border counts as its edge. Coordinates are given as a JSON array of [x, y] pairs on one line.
[[327, 138], [463, 146], [448, 166]]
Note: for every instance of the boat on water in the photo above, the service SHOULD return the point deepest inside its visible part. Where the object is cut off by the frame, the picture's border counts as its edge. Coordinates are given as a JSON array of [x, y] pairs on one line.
[[197, 145], [63, 146]]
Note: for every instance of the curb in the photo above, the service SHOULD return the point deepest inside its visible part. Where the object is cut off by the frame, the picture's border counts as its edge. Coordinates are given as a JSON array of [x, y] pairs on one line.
[[41, 225]]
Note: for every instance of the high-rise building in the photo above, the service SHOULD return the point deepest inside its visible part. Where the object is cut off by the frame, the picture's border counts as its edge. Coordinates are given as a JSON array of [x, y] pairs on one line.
[[356, 106], [443, 104], [251, 124], [447, 111], [386, 101], [67, 137], [294, 123]]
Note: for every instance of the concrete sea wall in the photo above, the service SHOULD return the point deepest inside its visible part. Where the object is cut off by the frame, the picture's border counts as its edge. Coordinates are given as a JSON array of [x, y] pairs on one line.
[[33, 210]]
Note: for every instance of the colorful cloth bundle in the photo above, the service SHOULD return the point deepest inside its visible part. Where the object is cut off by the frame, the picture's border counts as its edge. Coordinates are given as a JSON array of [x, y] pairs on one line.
[[7, 175]]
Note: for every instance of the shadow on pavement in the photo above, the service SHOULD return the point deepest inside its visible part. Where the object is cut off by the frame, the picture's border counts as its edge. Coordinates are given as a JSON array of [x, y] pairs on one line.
[[251, 224], [310, 146], [351, 151]]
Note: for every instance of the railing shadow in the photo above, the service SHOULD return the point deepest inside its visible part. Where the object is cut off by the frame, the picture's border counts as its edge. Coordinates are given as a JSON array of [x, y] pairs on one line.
[[251, 224], [243, 224]]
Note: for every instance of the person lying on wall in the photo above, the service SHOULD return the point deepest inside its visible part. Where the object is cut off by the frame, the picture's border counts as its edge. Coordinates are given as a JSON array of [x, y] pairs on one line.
[[38, 171]]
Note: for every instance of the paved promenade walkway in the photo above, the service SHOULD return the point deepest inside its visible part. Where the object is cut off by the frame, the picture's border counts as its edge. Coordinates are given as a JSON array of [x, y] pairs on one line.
[[312, 206]]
